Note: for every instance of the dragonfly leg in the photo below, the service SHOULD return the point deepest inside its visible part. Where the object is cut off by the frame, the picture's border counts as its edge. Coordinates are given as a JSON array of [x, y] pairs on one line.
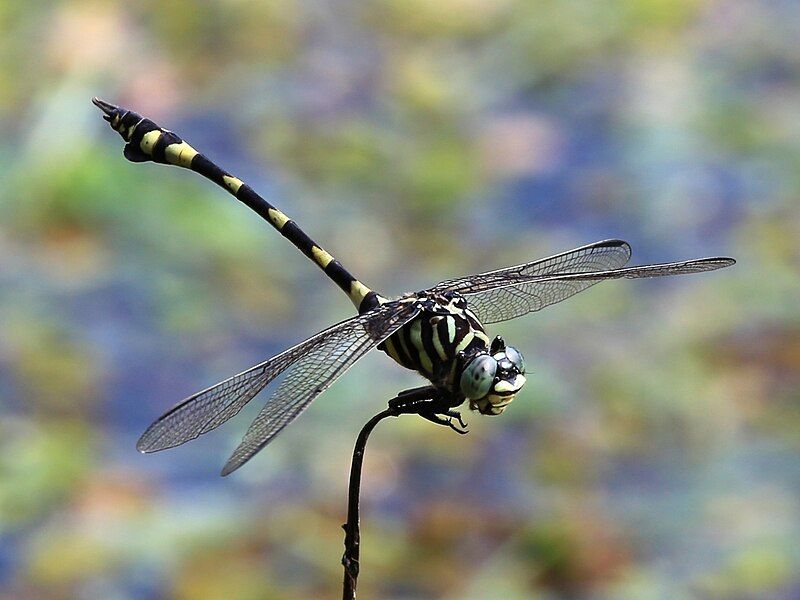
[[416, 400], [448, 422], [457, 416], [429, 403]]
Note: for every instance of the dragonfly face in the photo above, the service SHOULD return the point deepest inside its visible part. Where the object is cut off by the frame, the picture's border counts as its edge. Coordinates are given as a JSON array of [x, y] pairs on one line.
[[491, 379]]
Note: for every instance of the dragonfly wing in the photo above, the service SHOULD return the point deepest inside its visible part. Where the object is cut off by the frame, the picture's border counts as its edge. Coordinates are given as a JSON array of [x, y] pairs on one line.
[[519, 297], [210, 408], [206, 410], [493, 297], [685, 267], [599, 256], [320, 365]]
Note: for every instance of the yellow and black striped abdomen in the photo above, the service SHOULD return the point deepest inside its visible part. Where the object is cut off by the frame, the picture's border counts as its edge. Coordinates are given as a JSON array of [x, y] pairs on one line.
[[431, 342], [147, 141]]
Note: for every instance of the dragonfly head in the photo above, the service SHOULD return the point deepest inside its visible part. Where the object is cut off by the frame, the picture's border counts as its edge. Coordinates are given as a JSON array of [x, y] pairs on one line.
[[490, 379]]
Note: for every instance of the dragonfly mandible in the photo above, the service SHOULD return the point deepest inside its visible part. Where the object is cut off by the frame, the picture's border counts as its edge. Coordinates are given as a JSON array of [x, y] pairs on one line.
[[438, 332]]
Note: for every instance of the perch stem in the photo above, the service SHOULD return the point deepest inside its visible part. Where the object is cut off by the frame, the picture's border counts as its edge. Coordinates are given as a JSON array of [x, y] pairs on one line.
[[352, 537]]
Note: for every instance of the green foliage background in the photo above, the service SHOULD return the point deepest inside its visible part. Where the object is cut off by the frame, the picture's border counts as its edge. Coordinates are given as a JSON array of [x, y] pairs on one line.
[[654, 452]]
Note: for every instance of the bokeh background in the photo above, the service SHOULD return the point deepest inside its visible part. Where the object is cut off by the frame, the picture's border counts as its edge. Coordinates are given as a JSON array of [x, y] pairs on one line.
[[655, 452]]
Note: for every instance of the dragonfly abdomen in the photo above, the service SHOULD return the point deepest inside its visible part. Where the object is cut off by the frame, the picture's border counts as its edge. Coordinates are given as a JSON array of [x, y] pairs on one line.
[[146, 141]]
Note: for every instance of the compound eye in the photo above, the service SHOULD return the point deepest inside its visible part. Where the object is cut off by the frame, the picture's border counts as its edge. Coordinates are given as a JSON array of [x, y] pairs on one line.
[[515, 357], [477, 378]]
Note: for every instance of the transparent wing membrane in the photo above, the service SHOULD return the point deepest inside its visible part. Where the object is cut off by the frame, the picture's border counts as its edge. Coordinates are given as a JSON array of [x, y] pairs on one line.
[[686, 267], [321, 364], [600, 256], [519, 298], [312, 365], [508, 293]]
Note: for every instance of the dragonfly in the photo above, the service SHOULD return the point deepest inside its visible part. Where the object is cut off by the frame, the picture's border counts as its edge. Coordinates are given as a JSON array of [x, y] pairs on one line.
[[438, 332]]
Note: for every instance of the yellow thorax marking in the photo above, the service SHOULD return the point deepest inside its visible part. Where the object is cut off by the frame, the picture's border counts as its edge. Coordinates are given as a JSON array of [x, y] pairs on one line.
[[391, 350], [416, 338], [465, 342], [437, 342], [481, 335], [149, 140], [233, 183], [403, 343], [180, 154], [451, 329], [322, 258]]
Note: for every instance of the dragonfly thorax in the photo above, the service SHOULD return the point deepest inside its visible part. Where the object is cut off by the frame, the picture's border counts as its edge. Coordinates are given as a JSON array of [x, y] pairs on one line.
[[447, 344], [436, 340]]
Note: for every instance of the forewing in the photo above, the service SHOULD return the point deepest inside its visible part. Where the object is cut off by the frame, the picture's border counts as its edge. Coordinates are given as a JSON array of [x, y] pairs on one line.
[[600, 256], [686, 267], [505, 293], [521, 297], [210, 408], [320, 365]]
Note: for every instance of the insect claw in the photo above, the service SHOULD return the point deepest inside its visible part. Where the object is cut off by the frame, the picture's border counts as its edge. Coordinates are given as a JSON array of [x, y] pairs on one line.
[[457, 416], [457, 429]]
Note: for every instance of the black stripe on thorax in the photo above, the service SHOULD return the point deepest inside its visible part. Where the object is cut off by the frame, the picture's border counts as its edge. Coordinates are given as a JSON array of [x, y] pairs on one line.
[[427, 332], [473, 321], [412, 352], [444, 336], [399, 349]]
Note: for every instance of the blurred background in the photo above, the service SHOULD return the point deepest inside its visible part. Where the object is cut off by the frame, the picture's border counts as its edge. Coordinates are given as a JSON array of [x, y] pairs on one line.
[[655, 450]]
